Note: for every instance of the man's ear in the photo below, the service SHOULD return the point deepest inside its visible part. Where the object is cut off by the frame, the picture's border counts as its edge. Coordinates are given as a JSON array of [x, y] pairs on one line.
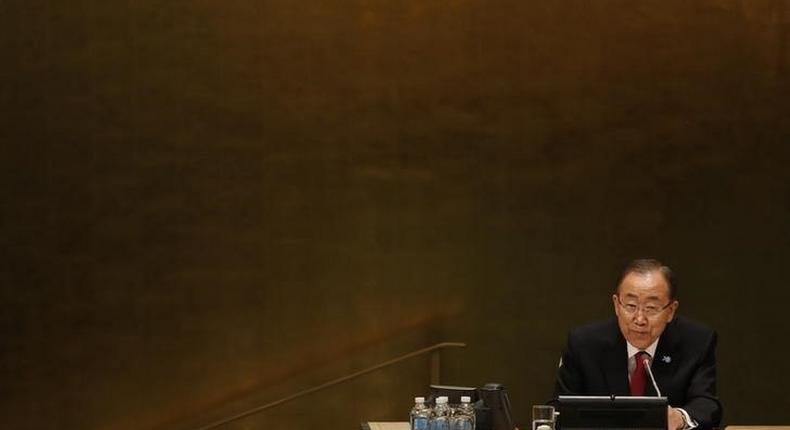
[[674, 307], [616, 305]]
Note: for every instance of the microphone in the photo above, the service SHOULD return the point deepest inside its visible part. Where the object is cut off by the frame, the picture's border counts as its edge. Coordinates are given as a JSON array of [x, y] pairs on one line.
[[646, 361]]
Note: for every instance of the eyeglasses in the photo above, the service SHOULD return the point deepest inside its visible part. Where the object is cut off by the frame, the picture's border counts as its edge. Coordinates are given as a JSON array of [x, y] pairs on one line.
[[649, 310]]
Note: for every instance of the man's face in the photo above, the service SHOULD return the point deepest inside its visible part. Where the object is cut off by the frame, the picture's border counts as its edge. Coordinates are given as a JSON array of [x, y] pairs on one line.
[[648, 291]]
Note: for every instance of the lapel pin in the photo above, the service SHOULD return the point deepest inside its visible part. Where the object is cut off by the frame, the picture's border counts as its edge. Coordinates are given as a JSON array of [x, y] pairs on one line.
[[666, 359]]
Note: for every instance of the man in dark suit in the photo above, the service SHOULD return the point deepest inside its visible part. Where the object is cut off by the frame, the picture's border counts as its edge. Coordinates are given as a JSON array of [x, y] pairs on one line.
[[610, 357]]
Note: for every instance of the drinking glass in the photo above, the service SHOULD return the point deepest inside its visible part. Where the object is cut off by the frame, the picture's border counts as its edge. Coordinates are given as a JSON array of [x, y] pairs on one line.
[[542, 417]]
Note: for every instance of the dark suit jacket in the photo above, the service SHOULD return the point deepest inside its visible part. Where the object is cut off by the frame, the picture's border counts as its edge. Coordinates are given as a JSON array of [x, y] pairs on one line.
[[595, 362]]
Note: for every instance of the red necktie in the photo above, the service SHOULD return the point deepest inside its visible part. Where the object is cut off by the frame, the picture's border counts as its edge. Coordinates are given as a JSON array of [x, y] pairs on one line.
[[639, 377]]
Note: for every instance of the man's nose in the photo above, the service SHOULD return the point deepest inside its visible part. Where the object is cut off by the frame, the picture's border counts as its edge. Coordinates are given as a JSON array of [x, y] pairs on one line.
[[640, 318]]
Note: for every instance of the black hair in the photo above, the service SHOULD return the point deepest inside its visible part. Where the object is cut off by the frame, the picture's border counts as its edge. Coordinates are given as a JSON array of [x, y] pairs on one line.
[[647, 265]]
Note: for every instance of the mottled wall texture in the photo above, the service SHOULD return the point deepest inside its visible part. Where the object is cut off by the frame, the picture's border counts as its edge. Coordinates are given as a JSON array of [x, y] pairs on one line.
[[207, 205]]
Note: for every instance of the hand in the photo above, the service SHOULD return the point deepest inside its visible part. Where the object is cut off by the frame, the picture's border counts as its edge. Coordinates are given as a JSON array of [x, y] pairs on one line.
[[675, 420]]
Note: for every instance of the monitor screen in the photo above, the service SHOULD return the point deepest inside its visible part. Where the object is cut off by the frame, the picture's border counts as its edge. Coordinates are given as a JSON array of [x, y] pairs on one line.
[[612, 413]]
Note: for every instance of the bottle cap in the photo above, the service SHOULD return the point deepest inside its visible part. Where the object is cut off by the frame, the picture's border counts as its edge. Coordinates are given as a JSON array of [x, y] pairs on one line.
[[441, 399], [419, 400], [466, 399]]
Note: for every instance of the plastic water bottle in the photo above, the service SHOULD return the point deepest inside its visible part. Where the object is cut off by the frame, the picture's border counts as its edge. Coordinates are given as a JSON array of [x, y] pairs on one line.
[[420, 415], [440, 417], [464, 415]]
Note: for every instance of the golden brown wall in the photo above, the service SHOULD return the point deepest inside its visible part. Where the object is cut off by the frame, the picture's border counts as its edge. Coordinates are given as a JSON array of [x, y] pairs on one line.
[[210, 204]]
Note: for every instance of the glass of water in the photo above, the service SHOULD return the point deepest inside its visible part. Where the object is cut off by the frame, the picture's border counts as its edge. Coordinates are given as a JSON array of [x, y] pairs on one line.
[[542, 417]]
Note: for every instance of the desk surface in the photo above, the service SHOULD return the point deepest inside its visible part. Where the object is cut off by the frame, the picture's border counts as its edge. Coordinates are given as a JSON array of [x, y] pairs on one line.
[[398, 425], [741, 427], [386, 425]]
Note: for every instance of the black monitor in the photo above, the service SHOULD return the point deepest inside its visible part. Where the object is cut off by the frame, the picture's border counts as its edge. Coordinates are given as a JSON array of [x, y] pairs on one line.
[[453, 393], [612, 413]]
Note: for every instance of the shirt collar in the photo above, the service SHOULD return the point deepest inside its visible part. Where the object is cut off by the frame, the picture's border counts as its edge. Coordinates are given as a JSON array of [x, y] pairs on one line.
[[632, 350]]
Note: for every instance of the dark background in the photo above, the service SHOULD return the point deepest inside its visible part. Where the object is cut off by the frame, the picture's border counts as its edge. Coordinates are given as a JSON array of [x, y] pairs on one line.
[[207, 205]]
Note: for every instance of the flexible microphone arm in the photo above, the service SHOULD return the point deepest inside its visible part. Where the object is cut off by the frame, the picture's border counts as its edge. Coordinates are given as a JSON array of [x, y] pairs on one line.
[[652, 378]]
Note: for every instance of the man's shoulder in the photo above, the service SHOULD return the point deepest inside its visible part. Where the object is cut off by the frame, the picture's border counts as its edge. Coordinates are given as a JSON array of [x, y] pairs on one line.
[[688, 327]]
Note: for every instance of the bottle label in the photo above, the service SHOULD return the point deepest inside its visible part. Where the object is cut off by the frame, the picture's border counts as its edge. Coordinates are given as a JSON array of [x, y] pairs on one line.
[[440, 424], [420, 423]]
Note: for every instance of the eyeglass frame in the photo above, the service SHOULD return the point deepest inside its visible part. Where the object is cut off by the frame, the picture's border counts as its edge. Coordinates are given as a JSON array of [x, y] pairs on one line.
[[645, 312]]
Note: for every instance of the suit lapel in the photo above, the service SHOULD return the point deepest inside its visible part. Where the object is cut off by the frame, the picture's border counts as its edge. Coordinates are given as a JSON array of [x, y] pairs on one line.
[[664, 362], [615, 364]]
